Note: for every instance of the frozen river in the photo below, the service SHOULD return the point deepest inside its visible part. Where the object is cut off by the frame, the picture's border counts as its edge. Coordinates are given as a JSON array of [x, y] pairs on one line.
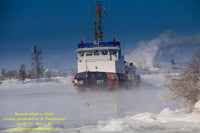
[[134, 110]]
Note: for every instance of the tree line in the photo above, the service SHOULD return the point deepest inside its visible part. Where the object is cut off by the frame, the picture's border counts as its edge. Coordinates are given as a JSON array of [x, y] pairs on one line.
[[23, 74]]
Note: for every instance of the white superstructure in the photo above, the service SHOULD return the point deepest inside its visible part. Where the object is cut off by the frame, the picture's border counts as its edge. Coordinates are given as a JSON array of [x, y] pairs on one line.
[[100, 59]]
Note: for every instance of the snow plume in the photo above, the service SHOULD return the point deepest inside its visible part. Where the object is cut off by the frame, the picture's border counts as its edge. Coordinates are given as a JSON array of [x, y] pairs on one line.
[[144, 54], [165, 47]]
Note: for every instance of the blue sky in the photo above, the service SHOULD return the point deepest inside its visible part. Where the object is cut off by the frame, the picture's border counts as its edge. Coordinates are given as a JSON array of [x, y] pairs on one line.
[[56, 26]]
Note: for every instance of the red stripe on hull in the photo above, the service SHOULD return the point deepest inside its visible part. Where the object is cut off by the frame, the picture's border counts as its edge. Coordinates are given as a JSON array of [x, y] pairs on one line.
[[73, 81], [112, 83]]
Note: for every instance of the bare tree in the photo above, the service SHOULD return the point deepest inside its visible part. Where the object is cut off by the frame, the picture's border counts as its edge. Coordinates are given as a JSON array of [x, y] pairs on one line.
[[186, 85], [22, 73]]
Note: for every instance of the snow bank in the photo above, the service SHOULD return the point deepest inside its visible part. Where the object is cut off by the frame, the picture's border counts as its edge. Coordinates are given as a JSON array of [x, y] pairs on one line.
[[16, 84], [197, 106], [166, 121]]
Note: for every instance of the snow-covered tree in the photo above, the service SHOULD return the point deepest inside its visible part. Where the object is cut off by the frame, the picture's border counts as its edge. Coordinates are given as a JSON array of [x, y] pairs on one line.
[[186, 85], [22, 72]]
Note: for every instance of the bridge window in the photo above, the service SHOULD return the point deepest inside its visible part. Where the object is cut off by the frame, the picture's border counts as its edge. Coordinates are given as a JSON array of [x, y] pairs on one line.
[[88, 53], [104, 52], [81, 54], [96, 53]]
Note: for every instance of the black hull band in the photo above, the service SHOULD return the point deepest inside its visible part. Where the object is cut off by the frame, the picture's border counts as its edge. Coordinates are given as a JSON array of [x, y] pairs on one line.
[[102, 80]]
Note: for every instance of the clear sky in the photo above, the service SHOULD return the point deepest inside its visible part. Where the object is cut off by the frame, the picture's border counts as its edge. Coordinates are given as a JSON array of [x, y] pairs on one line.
[[56, 26]]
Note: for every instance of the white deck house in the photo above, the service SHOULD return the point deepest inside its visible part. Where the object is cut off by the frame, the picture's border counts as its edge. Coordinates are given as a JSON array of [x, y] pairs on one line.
[[104, 57]]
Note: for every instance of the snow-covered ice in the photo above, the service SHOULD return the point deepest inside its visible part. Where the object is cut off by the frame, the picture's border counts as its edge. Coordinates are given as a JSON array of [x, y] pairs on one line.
[[167, 121], [134, 110]]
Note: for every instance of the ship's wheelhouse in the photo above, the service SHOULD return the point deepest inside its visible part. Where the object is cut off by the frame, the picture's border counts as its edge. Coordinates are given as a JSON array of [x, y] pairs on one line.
[[100, 49], [103, 57]]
